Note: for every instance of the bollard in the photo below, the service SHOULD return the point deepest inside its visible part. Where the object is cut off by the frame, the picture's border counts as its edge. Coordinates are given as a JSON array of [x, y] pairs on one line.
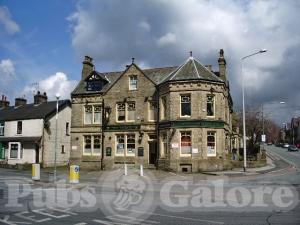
[[141, 171], [74, 174], [36, 171], [125, 169]]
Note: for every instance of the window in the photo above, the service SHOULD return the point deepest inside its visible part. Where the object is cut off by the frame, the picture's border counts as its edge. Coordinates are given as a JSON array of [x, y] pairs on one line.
[[186, 142], [211, 143], [130, 111], [97, 114], [67, 128], [94, 83], [152, 111], [210, 105], [19, 127], [15, 150], [1, 128], [120, 112], [163, 108], [63, 149], [125, 111], [125, 144], [92, 145], [133, 82], [120, 144], [185, 103], [92, 114], [88, 109], [130, 144]]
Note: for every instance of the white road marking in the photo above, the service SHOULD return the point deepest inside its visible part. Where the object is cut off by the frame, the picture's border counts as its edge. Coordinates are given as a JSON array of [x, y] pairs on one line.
[[130, 219], [6, 218], [30, 217]]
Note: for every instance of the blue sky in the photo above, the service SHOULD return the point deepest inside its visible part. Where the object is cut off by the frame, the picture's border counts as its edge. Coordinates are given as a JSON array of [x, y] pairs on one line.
[[45, 42]]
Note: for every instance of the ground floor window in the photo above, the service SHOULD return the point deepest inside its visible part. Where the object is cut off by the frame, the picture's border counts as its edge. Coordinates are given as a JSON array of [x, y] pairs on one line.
[[186, 142], [15, 150], [125, 144], [211, 143], [92, 145], [164, 143]]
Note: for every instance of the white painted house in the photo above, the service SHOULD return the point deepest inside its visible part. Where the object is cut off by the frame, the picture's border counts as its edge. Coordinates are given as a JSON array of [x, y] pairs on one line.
[[28, 131]]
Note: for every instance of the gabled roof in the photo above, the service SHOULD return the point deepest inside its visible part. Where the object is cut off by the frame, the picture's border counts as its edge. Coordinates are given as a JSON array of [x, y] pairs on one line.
[[192, 69], [31, 111]]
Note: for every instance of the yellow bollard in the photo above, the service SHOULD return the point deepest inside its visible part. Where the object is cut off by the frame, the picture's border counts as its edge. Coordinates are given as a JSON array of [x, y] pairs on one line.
[[36, 175], [74, 174]]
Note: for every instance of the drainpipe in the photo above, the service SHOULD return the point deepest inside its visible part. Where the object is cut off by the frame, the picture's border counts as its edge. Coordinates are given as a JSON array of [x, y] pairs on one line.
[[102, 135], [157, 128]]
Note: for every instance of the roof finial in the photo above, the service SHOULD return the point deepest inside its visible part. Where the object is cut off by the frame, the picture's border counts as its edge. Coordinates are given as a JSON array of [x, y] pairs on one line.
[[191, 53], [132, 60]]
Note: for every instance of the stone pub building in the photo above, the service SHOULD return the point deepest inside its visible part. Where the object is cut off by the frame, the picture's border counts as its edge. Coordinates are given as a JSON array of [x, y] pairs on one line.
[[173, 118]]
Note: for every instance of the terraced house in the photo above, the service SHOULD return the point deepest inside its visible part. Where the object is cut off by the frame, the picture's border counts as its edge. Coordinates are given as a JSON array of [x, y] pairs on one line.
[[174, 118]]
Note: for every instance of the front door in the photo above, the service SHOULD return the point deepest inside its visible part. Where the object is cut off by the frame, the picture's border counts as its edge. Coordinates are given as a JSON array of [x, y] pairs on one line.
[[37, 153], [152, 152]]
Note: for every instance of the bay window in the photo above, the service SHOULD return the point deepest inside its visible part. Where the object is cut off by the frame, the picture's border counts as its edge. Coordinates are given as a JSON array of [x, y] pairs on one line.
[[210, 105], [185, 105]]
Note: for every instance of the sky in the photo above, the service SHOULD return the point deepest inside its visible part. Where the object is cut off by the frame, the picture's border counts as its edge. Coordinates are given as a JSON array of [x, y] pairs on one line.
[[42, 44]]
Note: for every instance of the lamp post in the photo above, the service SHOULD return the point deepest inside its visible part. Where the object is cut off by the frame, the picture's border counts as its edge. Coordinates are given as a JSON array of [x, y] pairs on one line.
[[243, 90], [56, 131]]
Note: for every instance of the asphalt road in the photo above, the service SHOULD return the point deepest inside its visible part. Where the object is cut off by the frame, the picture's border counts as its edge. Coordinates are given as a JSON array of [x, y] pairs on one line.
[[175, 199]]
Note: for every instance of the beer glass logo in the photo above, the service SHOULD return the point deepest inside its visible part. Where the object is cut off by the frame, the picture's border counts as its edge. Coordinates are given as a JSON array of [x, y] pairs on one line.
[[129, 197]]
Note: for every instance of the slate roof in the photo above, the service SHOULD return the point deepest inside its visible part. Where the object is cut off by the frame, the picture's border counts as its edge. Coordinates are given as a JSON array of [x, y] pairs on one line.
[[191, 69], [31, 111]]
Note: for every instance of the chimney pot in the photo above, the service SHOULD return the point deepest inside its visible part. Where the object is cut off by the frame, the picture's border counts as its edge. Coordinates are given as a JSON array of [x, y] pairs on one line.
[[38, 98], [20, 102], [87, 67]]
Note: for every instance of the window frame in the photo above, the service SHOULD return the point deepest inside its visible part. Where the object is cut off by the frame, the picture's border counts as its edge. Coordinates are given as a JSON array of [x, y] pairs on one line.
[[186, 154], [131, 88], [125, 112], [163, 113], [93, 114], [67, 128], [154, 110], [2, 126], [190, 104], [92, 153], [19, 155], [213, 106], [19, 127], [215, 143], [125, 137]]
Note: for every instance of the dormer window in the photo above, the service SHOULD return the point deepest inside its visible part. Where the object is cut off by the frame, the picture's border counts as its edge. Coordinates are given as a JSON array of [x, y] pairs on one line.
[[94, 83], [133, 82]]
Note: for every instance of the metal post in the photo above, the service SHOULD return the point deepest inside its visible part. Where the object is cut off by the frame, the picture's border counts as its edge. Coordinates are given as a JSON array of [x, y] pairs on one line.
[[56, 131], [263, 124], [125, 169], [141, 171]]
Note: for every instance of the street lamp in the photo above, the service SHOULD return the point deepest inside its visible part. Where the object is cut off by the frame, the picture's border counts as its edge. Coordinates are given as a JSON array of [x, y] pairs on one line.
[[56, 131], [243, 90]]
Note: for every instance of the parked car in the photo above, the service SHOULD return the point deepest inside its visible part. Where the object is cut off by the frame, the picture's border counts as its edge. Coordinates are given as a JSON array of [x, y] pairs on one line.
[[286, 145], [292, 148], [269, 143]]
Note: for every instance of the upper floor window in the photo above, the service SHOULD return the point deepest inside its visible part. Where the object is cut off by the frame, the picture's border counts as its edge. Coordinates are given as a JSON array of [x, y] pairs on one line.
[[92, 114], [211, 143], [186, 142], [133, 82], [1, 128], [210, 105], [185, 103], [94, 83], [152, 111], [67, 128], [125, 111], [19, 127]]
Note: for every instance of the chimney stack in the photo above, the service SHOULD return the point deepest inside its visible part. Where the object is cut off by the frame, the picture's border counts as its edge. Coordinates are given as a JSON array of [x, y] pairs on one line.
[[222, 65], [87, 67], [3, 102], [40, 98], [209, 67], [20, 102]]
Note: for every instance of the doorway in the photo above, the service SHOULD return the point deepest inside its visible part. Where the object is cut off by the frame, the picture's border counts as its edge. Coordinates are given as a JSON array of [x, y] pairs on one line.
[[152, 152], [37, 153]]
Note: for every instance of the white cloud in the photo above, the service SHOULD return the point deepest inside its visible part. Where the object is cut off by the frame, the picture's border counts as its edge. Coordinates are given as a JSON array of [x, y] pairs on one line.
[[167, 39], [56, 83], [239, 27], [6, 68], [9, 25]]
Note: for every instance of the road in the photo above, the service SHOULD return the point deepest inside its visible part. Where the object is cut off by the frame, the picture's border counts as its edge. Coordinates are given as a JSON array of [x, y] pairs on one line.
[[173, 199]]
